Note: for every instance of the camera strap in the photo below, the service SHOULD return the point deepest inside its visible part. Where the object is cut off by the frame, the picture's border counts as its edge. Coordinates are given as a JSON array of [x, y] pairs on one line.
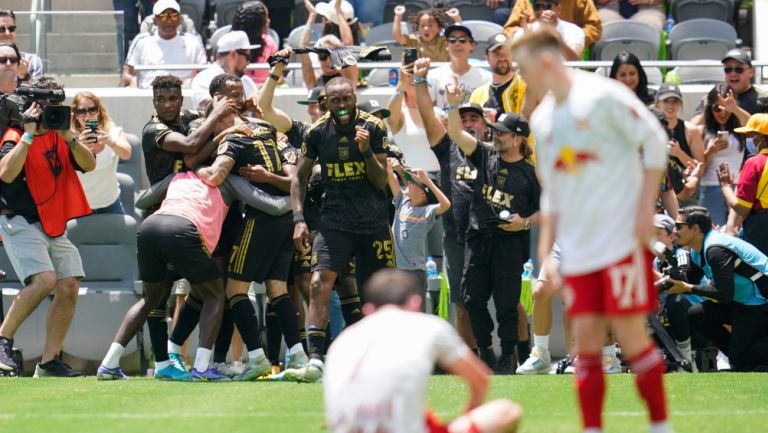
[[748, 271]]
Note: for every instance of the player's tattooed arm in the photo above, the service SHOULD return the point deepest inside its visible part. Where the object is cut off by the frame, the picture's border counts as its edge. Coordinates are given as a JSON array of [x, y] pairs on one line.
[[216, 173]]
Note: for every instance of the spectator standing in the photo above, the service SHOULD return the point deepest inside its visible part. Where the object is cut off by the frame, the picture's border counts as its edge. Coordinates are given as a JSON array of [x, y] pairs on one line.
[[327, 71], [233, 54], [253, 18], [579, 12], [33, 222], [339, 20], [428, 40], [649, 12], [30, 66], [100, 185], [166, 46], [627, 69], [547, 13]]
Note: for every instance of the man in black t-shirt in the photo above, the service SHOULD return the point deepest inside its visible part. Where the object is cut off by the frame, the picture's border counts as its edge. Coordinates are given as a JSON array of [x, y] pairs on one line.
[[505, 205], [350, 146]]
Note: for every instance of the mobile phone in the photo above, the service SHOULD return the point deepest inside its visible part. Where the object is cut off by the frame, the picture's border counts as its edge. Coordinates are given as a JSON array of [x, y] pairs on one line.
[[410, 55], [92, 124], [723, 135]]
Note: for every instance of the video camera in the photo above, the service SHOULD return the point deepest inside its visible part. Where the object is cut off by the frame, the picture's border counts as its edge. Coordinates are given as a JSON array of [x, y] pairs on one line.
[[677, 266], [55, 116]]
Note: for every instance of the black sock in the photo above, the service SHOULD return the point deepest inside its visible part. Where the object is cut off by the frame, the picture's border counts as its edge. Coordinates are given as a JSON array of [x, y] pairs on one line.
[[245, 319], [523, 351], [224, 339], [316, 337], [274, 334], [189, 316], [350, 309], [286, 313], [158, 331], [303, 337], [328, 338]]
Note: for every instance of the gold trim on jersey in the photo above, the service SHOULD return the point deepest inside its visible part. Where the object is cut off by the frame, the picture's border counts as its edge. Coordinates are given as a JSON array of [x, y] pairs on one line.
[[238, 259]]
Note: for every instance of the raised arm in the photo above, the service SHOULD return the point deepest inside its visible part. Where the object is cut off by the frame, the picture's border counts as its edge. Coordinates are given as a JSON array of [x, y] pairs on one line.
[[275, 116], [434, 127], [443, 202], [345, 31], [395, 106], [397, 35], [307, 71], [454, 95], [393, 166]]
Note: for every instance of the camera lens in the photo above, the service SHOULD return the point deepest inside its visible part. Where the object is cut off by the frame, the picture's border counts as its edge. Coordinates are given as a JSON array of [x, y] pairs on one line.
[[56, 117]]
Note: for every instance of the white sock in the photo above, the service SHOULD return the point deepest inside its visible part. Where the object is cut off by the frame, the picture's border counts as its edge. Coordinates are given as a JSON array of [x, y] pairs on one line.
[[258, 353], [159, 365], [112, 358], [593, 430], [661, 427], [173, 347], [202, 359], [609, 350], [541, 341], [297, 348], [685, 348]]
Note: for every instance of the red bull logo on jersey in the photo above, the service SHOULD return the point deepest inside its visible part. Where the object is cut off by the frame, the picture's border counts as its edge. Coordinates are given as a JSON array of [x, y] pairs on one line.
[[571, 161]]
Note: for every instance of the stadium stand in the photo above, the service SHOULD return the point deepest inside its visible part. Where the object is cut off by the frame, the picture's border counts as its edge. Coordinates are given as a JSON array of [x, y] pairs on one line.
[[195, 9], [684, 10], [635, 37], [700, 39]]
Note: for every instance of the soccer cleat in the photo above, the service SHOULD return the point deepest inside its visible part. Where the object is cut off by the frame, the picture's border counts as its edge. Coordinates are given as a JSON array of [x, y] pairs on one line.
[[312, 372], [177, 361], [227, 369], [538, 363], [255, 368], [105, 373], [566, 365], [297, 360], [6, 360], [56, 368], [506, 364], [210, 375], [611, 365], [173, 373]]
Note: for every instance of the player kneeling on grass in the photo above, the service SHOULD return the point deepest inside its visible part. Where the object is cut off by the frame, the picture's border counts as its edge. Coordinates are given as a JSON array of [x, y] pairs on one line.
[[378, 370]]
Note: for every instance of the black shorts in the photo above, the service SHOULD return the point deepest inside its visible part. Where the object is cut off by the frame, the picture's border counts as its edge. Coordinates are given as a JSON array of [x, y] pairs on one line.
[[230, 232], [335, 249], [165, 240], [302, 263], [264, 250]]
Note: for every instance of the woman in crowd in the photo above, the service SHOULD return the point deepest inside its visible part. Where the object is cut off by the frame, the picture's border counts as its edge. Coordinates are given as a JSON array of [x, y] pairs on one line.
[[100, 185], [627, 69], [252, 17]]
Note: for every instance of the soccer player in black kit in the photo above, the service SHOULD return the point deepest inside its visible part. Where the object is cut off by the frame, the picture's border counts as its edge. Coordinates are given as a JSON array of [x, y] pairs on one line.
[[350, 146]]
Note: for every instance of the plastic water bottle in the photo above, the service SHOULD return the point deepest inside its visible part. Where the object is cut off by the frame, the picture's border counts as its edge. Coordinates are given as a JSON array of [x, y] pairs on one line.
[[394, 75], [433, 274], [669, 23], [526, 287]]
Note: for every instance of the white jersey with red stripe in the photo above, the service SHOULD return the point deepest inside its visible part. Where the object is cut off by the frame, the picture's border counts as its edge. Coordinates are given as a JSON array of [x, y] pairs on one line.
[[377, 371], [591, 152]]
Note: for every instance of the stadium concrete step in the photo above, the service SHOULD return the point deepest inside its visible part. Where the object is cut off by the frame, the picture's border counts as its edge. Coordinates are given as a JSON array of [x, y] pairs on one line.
[[103, 43], [90, 80], [71, 63]]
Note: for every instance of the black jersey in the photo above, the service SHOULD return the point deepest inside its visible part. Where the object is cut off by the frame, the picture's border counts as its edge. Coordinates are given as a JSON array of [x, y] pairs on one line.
[[456, 176], [296, 133], [352, 203], [158, 162], [501, 185]]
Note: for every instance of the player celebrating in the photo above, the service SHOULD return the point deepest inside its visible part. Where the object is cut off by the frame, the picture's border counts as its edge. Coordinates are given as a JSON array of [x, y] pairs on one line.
[[598, 199], [379, 369]]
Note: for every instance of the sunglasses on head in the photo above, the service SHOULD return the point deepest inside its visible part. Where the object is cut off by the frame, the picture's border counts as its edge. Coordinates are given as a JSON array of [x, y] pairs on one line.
[[8, 29], [79, 112], [542, 6], [737, 69], [461, 39], [9, 59], [165, 16]]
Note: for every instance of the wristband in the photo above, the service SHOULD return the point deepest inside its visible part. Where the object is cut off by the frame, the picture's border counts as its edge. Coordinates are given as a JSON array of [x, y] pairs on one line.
[[419, 80], [274, 77], [450, 107], [298, 217], [71, 142], [27, 138], [527, 225], [368, 153]]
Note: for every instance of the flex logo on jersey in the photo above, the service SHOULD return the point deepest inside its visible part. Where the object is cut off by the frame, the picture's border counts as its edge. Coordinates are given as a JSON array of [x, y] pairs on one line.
[[353, 170], [572, 161], [466, 173], [496, 197]]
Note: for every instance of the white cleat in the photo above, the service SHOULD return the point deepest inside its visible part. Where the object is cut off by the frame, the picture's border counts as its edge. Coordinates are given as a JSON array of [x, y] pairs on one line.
[[611, 364], [539, 362]]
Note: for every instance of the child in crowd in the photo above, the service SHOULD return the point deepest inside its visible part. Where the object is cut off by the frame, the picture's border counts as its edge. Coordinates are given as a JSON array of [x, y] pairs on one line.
[[430, 23], [417, 209]]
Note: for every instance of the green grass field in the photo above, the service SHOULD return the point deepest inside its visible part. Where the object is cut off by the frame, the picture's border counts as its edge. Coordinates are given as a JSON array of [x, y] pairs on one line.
[[699, 403]]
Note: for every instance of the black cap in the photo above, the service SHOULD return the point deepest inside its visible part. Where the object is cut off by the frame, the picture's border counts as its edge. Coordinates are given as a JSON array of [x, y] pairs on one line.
[[372, 107], [739, 55], [511, 122], [453, 27], [668, 90], [497, 40], [315, 95], [472, 108]]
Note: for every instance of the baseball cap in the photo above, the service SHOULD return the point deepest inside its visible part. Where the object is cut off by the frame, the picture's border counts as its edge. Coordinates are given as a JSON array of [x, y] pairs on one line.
[[739, 55], [453, 27], [511, 122], [497, 40], [668, 90], [236, 40], [471, 108], [162, 5], [314, 95], [756, 123], [664, 222], [328, 11], [372, 107]]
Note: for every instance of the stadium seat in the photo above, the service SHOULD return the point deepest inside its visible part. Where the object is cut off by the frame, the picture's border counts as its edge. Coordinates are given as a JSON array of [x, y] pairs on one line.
[[699, 74], [472, 9], [225, 11], [684, 10], [275, 37], [701, 39], [296, 34], [482, 30], [135, 167], [195, 9], [411, 7], [635, 37]]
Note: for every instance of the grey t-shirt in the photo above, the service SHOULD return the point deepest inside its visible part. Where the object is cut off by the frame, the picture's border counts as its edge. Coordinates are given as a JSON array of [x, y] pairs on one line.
[[410, 230]]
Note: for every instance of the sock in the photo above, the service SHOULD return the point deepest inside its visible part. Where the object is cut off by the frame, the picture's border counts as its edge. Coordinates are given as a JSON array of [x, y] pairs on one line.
[[112, 358], [685, 348], [590, 385], [609, 350], [296, 348], [245, 319], [274, 334], [158, 332], [328, 337], [189, 317], [202, 359], [286, 314], [523, 351], [649, 368], [303, 337], [350, 309], [541, 341], [224, 339], [316, 339], [173, 347], [661, 427], [159, 365], [257, 353]]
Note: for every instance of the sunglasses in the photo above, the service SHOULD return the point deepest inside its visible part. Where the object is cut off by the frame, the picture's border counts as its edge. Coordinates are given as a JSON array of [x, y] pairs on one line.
[[542, 6], [323, 57], [717, 108], [165, 16], [9, 59], [9, 29], [80, 112], [461, 40], [737, 69], [678, 226], [245, 53]]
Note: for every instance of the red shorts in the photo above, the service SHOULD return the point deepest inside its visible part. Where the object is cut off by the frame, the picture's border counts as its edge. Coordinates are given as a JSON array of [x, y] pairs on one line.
[[623, 288], [435, 426]]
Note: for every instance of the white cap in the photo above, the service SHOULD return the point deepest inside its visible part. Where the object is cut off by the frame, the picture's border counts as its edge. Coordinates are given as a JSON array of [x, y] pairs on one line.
[[236, 40], [329, 11], [162, 5]]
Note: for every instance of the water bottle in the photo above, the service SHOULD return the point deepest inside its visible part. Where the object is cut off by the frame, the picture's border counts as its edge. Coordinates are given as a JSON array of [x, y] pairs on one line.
[[394, 75], [669, 23], [433, 283], [526, 287]]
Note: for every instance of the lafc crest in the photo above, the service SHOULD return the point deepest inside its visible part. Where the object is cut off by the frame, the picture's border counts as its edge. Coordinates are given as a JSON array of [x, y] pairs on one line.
[[343, 153]]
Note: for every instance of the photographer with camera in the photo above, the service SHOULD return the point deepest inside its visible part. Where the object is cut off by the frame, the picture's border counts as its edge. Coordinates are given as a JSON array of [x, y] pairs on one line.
[[738, 275], [40, 193]]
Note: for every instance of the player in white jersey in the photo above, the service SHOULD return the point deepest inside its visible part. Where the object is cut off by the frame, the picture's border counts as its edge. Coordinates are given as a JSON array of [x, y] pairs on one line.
[[601, 155], [377, 371]]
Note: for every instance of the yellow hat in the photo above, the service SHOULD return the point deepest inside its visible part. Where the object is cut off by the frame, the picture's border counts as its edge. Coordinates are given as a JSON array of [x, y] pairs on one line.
[[756, 123]]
